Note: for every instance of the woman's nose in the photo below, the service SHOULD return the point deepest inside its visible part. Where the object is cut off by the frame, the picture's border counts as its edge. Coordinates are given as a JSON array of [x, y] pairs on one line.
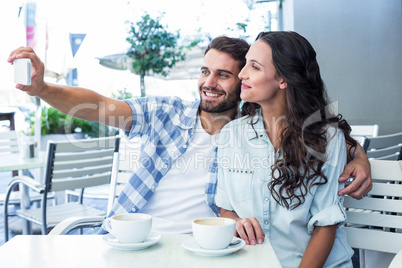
[[242, 74]]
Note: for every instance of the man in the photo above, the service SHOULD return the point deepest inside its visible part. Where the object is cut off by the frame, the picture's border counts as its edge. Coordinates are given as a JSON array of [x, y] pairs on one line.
[[178, 167]]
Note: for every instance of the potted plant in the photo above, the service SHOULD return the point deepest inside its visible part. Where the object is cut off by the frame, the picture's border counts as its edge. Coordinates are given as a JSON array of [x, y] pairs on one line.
[[56, 125]]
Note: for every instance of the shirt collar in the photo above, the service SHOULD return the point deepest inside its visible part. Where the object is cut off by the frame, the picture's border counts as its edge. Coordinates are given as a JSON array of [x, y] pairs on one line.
[[189, 115], [255, 130]]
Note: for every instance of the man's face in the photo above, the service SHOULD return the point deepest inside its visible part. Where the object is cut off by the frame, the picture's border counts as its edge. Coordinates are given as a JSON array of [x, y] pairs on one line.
[[219, 83]]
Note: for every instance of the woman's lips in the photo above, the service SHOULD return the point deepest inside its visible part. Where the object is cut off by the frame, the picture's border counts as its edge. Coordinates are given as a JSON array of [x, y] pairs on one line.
[[244, 86]]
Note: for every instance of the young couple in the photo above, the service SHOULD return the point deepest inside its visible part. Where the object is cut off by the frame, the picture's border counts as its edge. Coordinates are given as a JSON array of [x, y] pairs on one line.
[[282, 87]]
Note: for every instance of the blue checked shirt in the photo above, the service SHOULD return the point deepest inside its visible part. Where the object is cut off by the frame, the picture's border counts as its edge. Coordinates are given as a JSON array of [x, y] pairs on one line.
[[166, 127]]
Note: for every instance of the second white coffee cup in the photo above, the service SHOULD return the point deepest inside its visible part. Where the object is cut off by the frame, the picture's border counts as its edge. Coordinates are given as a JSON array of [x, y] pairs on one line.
[[130, 227], [213, 233]]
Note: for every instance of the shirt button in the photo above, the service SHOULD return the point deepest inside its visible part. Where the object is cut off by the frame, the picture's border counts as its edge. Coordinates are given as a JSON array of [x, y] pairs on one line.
[[153, 187], [266, 198], [184, 146], [133, 210], [266, 222], [165, 166]]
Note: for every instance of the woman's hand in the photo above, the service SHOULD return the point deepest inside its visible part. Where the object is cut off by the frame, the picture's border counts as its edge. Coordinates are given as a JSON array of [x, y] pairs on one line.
[[249, 230]]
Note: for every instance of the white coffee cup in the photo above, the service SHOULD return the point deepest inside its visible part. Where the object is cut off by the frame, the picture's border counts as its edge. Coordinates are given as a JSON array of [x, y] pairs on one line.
[[130, 227], [213, 233]]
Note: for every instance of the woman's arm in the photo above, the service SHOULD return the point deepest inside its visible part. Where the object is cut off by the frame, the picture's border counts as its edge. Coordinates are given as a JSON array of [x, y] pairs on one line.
[[248, 229], [359, 168], [319, 247]]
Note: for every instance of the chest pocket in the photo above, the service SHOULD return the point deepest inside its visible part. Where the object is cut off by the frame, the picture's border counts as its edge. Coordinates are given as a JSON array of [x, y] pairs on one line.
[[239, 184]]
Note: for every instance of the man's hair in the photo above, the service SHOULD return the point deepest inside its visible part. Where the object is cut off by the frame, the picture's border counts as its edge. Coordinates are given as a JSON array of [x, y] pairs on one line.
[[237, 48]]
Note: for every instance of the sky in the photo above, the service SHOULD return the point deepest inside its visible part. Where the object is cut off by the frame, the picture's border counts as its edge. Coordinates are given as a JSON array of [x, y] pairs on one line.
[[105, 24]]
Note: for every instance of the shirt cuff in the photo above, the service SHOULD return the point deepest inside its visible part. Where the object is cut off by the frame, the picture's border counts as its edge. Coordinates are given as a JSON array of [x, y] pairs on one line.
[[330, 216]]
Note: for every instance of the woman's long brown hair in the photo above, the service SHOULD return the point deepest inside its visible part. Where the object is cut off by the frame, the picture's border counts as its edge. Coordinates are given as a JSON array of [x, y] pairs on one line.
[[303, 140]]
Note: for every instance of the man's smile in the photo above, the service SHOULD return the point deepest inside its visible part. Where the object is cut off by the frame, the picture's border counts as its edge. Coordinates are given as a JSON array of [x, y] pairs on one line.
[[211, 94]]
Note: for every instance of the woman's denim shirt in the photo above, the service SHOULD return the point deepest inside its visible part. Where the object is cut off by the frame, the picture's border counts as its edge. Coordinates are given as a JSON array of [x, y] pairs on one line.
[[245, 157]]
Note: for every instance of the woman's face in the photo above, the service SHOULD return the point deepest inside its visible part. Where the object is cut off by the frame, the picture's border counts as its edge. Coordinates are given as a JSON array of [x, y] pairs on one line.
[[260, 81]]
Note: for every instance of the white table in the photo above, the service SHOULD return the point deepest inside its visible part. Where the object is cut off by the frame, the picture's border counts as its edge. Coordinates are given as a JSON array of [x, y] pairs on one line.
[[90, 251], [11, 162]]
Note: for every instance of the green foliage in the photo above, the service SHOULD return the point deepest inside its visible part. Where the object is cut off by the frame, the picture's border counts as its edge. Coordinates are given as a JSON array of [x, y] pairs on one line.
[[240, 30], [55, 122], [122, 95], [154, 49], [242, 26]]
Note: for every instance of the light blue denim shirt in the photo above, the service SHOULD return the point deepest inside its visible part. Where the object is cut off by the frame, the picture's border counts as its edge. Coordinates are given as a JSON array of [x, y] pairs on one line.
[[245, 155]]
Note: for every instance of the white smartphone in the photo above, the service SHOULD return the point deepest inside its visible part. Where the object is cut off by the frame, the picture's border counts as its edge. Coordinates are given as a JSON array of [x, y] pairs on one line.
[[22, 71]]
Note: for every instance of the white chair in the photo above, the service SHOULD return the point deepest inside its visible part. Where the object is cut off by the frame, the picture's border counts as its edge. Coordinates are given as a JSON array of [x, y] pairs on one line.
[[386, 147], [126, 162], [9, 144], [361, 131], [397, 261], [375, 222], [69, 165], [101, 192]]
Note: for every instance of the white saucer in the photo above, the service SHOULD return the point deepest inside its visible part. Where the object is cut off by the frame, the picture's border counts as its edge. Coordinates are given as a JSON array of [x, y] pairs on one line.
[[151, 239], [191, 245]]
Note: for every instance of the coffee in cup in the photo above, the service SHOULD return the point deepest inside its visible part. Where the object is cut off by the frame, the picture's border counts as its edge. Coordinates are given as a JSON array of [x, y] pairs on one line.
[[130, 227], [213, 233]]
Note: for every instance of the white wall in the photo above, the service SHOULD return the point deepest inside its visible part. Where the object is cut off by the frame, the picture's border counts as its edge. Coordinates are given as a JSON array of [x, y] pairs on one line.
[[359, 48]]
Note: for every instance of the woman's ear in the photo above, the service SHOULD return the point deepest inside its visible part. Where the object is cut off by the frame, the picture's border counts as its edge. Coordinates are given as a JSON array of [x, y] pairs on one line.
[[282, 83]]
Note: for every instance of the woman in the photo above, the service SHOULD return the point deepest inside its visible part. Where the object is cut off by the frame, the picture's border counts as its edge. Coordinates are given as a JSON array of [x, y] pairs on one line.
[[279, 165]]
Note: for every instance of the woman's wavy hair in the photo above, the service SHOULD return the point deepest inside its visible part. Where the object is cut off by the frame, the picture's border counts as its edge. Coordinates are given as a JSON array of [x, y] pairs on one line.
[[302, 143]]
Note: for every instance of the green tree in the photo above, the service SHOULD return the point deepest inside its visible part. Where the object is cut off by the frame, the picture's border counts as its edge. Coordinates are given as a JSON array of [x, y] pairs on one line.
[[153, 49]]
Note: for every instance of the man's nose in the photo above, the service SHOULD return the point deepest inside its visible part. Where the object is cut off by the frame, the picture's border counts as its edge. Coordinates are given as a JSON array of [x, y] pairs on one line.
[[211, 81]]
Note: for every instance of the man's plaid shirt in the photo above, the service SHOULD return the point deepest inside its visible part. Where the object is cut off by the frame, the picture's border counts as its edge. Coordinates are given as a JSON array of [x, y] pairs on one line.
[[165, 126]]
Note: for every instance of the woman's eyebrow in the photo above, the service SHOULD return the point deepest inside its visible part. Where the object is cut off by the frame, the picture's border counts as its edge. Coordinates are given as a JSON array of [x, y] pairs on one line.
[[255, 61]]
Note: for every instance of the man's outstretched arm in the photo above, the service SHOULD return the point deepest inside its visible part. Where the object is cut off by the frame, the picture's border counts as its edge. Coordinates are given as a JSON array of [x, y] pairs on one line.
[[75, 101]]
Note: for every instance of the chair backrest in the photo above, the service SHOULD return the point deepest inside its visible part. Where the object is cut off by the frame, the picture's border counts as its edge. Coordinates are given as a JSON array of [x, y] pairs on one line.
[[76, 164], [8, 142], [386, 147], [364, 130], [127, 161], [375, 222], [361, 131]]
